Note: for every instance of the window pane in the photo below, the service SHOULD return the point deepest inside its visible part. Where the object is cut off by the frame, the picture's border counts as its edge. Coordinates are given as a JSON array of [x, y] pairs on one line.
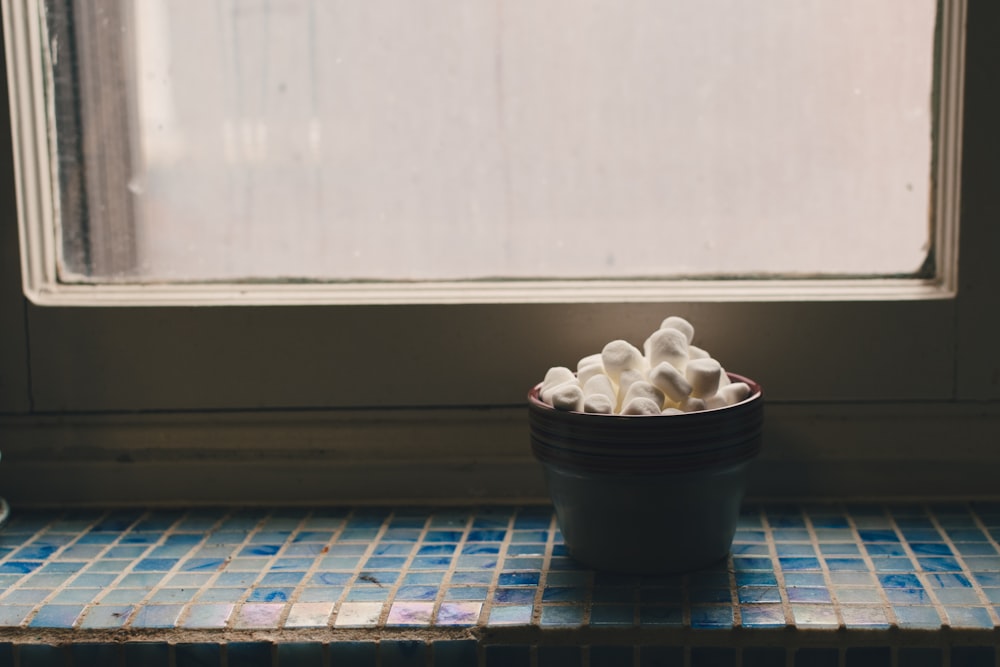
[[382, 140]]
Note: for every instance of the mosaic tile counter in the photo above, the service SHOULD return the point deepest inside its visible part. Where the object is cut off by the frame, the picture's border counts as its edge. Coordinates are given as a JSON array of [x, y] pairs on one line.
[[851, 585]]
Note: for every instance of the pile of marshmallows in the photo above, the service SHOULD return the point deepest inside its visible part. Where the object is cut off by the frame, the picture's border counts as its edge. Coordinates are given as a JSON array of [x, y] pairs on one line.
[[671, 376]]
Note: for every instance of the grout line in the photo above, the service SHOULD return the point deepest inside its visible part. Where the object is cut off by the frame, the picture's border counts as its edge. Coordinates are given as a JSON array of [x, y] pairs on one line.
[[227, 561], [890, 612], [449, 573], [359, 567], [824, 568], [779, 573], [313, 568], [990, 610], [404, 569], [65, 584]]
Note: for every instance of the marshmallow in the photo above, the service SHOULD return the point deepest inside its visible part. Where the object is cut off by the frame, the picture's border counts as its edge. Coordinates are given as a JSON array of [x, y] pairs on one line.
[[669, 380], [669, 372], [600, 385], [620, 355], [695, 352], [643, 388], [668, 345], [546, 393], [628, 377], [557, 375], [715, 401], [598, 404], [724, 379], [567, 396], [587, 371], [735, 392], [641, 405], [692, 404], [679, 323], [703, 374]]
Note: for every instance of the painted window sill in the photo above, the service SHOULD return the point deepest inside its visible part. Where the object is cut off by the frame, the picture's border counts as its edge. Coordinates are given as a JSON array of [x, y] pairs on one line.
[[839, 584]]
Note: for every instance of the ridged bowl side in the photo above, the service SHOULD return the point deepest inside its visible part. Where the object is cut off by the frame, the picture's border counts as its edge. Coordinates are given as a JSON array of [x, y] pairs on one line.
[[647, 444]]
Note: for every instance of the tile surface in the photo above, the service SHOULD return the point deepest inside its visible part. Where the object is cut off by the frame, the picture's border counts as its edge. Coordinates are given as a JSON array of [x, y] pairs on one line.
[[858, 567]]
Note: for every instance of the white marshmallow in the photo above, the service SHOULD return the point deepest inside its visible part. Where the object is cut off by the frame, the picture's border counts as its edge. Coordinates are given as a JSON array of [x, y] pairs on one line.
[[672, 411], [620, 355], [568, 396], [625, 380], [679, 323], [695, 352], [584, 373], [643, 388], [600, 385], [703, 374], [715, 401], [692, 404], [641, 405], [724, 379], [668, 345], [735, 392], [598, 404], [546, 394], [557, 375], [669, 380], [588, 360]]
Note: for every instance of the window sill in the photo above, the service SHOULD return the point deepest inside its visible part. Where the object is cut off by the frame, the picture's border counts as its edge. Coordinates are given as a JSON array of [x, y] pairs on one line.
[[853, 584]]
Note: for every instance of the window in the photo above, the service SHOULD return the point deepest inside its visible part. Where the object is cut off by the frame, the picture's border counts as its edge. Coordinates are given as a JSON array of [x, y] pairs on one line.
[[323, 141], [249, 142], [826, 346]]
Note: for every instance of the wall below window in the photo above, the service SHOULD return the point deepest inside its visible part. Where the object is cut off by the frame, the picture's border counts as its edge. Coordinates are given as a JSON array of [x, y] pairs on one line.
[[866, 450]]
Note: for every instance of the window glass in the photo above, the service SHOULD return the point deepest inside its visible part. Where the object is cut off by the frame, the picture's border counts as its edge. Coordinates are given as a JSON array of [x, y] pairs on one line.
[[323, 140]]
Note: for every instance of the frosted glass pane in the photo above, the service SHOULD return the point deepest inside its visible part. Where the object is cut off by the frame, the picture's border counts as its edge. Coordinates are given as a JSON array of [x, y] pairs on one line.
[[443, 139]]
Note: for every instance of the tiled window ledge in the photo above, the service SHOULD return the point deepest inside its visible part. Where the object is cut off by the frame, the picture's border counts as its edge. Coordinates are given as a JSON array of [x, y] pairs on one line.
[[839, 584]]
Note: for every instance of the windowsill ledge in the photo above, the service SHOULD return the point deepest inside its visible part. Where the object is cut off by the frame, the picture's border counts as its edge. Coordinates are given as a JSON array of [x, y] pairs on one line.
[[844, 584]]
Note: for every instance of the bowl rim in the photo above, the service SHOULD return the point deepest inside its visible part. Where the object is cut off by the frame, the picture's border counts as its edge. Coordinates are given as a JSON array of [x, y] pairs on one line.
[[756, 393]]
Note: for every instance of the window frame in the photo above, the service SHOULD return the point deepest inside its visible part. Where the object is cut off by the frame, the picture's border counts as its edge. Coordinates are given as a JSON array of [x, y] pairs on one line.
[[397, 386]]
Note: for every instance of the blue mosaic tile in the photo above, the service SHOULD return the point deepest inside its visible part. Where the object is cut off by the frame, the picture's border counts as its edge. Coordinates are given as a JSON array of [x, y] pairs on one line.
[[510, 615], [968, 617], [145, 654], [973, 656], [611, 656], [249, 654], [817, 657], [57, 616], [661, 616], [762, 616], [917, 616], [661, 656], [561, 615], [911, 656], [612, 615], [360, 653], [455, 653], [200, 654], [713, 656], [867, 656], [764, 656], [507, 656], [99, 655], [107, 616], [41, 655], [560, 656]]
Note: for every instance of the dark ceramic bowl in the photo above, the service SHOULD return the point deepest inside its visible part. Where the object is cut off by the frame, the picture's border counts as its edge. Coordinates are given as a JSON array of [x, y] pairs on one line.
[[647, 494]]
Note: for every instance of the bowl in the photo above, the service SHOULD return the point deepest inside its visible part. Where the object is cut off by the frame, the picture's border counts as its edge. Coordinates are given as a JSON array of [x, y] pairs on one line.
[[647, 494]]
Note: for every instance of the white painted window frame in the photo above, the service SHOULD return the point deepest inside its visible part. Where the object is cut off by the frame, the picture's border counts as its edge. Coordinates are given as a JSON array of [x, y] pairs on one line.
[[376, 386]]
